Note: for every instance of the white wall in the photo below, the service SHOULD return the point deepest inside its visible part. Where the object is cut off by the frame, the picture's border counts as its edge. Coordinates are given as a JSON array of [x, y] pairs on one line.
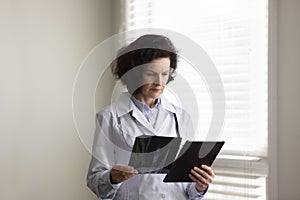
[[42, 44], [289, 99]]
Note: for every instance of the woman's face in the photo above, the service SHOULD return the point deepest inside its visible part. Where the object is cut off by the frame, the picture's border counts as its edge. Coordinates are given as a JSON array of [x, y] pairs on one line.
[[155, 76]]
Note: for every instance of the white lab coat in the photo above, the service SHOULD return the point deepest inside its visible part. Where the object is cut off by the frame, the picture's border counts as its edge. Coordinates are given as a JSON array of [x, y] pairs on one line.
[[116, 128]]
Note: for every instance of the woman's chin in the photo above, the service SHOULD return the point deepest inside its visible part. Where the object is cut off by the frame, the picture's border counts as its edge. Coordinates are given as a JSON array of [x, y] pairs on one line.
[[155, 95]]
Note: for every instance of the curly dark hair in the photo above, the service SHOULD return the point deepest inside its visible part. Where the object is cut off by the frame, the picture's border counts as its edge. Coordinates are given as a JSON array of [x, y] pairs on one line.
[[141, 51]]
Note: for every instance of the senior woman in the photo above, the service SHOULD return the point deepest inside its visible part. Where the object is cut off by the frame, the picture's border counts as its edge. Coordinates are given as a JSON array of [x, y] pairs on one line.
[[145, 67]]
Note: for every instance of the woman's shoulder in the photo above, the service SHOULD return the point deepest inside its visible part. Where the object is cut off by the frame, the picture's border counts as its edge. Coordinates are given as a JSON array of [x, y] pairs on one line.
[[120, 105], [107, 110]]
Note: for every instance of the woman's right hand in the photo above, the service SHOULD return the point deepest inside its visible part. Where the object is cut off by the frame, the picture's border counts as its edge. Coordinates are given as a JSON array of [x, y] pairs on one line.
[[120, 173]]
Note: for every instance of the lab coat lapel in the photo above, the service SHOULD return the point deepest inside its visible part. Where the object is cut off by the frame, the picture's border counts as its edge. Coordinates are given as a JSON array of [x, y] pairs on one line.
[[124, 105], [161, 119], [164, 121], [138, 115]]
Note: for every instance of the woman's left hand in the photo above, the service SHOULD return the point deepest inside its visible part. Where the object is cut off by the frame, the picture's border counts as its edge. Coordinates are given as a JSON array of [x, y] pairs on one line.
[[202, 177]]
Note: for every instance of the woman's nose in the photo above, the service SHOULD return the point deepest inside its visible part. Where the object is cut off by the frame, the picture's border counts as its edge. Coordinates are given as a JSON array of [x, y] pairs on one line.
[[158, 80]]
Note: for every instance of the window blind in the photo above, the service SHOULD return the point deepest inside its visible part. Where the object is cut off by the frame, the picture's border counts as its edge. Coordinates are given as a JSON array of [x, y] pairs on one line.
[[234, 34]]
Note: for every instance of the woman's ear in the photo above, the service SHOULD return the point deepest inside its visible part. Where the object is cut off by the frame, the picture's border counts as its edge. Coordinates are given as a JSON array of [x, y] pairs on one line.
[[171, 78]]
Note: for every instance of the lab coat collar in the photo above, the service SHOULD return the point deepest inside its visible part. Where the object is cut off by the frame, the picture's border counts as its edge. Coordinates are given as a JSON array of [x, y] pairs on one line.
[[167, 105], [125, 105]]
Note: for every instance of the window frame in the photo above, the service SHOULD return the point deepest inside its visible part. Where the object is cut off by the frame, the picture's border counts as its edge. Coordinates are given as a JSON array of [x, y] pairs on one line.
[[272, 179]]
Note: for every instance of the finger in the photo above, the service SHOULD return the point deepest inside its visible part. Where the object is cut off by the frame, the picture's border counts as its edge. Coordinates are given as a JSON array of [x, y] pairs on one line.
[[208, 170], [126, 168], [123, 168], [198, 176], [200, 171], [131, 171], [124, 172], [118, 167], [199, 183], [128, 176], [207, 175]]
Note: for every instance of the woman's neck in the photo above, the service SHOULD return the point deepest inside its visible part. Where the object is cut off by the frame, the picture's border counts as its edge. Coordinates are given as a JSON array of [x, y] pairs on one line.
[[149, 101]]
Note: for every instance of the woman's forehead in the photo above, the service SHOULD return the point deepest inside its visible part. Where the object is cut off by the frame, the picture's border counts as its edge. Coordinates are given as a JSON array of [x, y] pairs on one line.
[[160, 64], [161, 60]]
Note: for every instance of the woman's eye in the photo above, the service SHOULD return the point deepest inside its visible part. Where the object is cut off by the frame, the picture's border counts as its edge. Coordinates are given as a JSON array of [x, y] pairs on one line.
[[150, 74]]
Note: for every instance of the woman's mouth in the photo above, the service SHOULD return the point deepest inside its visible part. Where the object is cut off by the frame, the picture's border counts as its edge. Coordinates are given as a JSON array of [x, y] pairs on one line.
[[155, 89]]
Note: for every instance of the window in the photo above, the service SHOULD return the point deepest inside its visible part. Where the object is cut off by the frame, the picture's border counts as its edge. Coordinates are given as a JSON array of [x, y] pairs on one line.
[[234, 33]]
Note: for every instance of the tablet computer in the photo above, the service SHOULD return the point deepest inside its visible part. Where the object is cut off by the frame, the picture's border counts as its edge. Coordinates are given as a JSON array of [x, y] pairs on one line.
[[193, 154]]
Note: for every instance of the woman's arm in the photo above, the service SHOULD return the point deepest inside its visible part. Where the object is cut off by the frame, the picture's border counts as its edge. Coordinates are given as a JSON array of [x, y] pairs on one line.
[[98, 177], [98, 180]]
